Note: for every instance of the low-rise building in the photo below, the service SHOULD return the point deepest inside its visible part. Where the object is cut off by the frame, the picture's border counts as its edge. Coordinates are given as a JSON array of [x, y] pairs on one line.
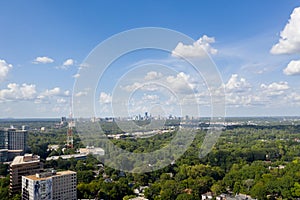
[[92, 150]]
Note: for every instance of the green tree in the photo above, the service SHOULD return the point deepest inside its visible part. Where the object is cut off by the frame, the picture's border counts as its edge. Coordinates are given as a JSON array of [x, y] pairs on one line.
[[170, 189], [259, 191], [249, 183], [296, 190], [3, 169], [4, 191], [218, 188], [185, 196], [85, 176], [153, 191]]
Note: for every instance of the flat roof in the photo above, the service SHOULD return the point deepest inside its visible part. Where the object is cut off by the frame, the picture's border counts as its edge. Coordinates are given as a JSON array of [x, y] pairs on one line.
[[18, 160], [66, 156], [61, 173], [15, 151]]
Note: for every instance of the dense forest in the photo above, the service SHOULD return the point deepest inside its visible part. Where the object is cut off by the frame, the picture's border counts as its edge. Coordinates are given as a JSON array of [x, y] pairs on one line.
[[261, 161]]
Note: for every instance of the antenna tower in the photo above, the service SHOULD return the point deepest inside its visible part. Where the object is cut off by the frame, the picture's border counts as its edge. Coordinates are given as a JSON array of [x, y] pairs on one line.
[[71, 124]]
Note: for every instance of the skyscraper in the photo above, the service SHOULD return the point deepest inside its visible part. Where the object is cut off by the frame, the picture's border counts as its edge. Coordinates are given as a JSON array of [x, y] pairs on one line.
[[13, 139], [13, 143], [17, 139], [3, 139]]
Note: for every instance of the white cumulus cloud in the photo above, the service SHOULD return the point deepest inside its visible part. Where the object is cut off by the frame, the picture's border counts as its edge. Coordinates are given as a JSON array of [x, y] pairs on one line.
[[4, 69], [239, 92], [237, 84], [150, 97], [199, 48], [293, 68], [153, 75], [105, 98], [235, 100], [55, 92], [68, 62], [76, 75], [81, 94], [132, 87], [15, 91], [52, 92], [66, 93], [43, 60], [181, 83], [274, 88], [61, 101], [293, 97], [289, 41]]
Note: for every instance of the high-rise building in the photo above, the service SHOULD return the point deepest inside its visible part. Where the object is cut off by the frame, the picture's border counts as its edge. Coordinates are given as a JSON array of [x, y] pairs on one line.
[[13, 142], [13, 139], [3, 139], [3, 155], [23, 166], [63, 120], [17, 139], [50, 186]]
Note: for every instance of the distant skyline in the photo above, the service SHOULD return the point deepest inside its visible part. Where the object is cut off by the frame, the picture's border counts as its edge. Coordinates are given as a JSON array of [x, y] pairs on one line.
[[255, 45]]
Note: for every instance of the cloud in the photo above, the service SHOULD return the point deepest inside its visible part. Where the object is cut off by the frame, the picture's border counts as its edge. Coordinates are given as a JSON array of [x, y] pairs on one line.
[[238, 93], [238, 100], [140, 86], [293, 97], [68, 62], [4, 69], [15, 91], [105, 98], [53, 92], [274, 88], [83, 65], [76, 75], [132, 87], [43, 60], [61, 100], [171, 101], [181, 83], [81, 94], [237, 84], [293, 68], [199, 48], [150, 97], [153, 75], [59, 108], [289, 41], [66, 93]]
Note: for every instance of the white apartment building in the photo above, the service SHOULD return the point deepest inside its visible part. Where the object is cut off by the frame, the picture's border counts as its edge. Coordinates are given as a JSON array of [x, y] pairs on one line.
[[50, 186]]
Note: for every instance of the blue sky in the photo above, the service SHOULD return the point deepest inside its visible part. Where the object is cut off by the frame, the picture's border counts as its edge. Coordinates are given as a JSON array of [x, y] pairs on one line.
[[43, 44]]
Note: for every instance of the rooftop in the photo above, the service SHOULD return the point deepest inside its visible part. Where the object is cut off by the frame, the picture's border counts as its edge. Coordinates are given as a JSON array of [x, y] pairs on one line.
[[27, 158], [76, 156], [46, 175]]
